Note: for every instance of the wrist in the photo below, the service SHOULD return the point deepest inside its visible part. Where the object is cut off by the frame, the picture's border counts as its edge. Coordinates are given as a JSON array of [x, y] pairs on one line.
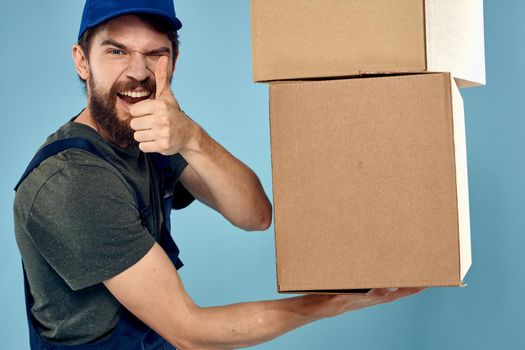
[[315, 306], [193, 144]]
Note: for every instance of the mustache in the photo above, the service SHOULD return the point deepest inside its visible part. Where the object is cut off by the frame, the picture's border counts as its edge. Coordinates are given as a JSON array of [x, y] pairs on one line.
[[147, 84]]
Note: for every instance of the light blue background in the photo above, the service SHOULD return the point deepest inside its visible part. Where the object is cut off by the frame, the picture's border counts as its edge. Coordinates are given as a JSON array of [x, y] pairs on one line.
[[39, 91]]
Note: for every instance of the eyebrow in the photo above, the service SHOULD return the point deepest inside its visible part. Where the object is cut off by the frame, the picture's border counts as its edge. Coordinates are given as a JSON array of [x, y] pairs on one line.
[[158, 51]]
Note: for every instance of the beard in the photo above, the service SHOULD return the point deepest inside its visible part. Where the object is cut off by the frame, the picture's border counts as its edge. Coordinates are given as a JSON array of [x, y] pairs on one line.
[[103, 108]]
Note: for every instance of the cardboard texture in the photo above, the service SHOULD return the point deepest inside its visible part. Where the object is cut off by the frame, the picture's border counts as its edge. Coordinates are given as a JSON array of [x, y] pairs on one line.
[[299, 39], [370, 183]]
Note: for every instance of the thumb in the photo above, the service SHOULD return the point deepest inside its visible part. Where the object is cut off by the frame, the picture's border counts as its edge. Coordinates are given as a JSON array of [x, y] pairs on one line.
[[162, 77]]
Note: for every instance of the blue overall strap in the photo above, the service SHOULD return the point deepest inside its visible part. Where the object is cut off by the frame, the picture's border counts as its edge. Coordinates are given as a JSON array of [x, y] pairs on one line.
[[74, 142], [131, 333], [161, 163], [164, 167]]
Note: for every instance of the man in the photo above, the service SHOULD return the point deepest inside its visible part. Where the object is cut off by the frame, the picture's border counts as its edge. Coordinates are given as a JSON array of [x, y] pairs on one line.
[[91, 214]]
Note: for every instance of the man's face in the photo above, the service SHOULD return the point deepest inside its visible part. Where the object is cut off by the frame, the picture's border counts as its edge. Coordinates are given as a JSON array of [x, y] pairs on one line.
[[122, 61]]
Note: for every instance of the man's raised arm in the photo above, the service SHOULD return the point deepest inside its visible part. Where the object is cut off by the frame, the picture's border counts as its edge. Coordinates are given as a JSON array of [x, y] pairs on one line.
[[213, 175]]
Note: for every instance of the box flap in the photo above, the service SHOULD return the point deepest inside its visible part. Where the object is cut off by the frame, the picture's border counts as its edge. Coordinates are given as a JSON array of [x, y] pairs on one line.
[[460, 151], [455, 39]]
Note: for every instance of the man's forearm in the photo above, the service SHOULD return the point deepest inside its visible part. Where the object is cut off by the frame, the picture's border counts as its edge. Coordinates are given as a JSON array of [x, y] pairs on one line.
[[152, 290], [233, 189], [247, 324]]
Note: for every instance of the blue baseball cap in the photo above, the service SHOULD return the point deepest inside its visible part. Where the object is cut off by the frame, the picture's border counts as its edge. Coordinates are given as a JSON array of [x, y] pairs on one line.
[[98, 11]]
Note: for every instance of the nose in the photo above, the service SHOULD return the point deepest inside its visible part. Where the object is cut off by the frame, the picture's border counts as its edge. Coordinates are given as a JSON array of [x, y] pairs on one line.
[[138, 67]]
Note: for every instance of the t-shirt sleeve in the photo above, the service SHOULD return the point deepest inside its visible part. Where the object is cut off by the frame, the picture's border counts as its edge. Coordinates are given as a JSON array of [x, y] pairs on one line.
[[181, 196], [86, 224]]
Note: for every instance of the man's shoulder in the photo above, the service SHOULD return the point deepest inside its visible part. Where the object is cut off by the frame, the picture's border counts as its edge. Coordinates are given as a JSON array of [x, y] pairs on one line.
[[77, 164], [73, 162], [72, 173]]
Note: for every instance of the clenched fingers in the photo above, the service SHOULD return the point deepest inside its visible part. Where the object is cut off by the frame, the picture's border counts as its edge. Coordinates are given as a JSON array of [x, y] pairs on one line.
[[144, 135], [147, 107], [150, 122], [150, 146]]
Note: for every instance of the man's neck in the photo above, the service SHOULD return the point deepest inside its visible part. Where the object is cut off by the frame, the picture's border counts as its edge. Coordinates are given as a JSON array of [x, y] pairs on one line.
[[85, 118]]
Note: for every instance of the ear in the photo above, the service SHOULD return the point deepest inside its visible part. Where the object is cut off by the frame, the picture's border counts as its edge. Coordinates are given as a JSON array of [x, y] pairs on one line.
[[81, 62]]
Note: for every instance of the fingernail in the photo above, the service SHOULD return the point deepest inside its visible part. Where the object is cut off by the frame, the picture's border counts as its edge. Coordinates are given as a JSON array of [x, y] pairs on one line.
[[391, 290]]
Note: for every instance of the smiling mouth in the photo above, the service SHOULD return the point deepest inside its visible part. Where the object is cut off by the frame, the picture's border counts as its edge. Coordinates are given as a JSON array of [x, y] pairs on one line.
[[132, 97]]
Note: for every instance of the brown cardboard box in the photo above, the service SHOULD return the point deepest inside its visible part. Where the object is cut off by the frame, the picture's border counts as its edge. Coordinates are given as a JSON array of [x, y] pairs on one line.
[[297, 39], [370, 183]]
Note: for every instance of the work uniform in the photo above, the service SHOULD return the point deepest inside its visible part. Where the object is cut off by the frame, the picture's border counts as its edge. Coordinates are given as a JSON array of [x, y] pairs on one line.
[[86, 210]]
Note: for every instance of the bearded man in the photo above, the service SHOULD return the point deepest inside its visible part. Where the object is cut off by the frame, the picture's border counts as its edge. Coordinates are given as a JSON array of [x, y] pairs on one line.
[[92, 209]]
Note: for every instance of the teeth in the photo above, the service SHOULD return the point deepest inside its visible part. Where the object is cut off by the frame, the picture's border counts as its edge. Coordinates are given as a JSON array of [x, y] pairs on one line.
[[135, 94]]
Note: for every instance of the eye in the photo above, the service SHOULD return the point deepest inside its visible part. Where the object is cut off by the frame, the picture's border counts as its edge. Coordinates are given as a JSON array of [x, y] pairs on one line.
[[157, 55], [116, 52]]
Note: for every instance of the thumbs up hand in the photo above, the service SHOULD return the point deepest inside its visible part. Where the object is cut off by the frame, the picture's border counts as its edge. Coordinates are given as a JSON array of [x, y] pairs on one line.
[[160, 125]]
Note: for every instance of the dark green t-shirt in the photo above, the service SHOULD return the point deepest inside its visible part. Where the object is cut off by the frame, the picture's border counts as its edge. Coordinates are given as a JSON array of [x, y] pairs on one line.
[[77, 224]]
